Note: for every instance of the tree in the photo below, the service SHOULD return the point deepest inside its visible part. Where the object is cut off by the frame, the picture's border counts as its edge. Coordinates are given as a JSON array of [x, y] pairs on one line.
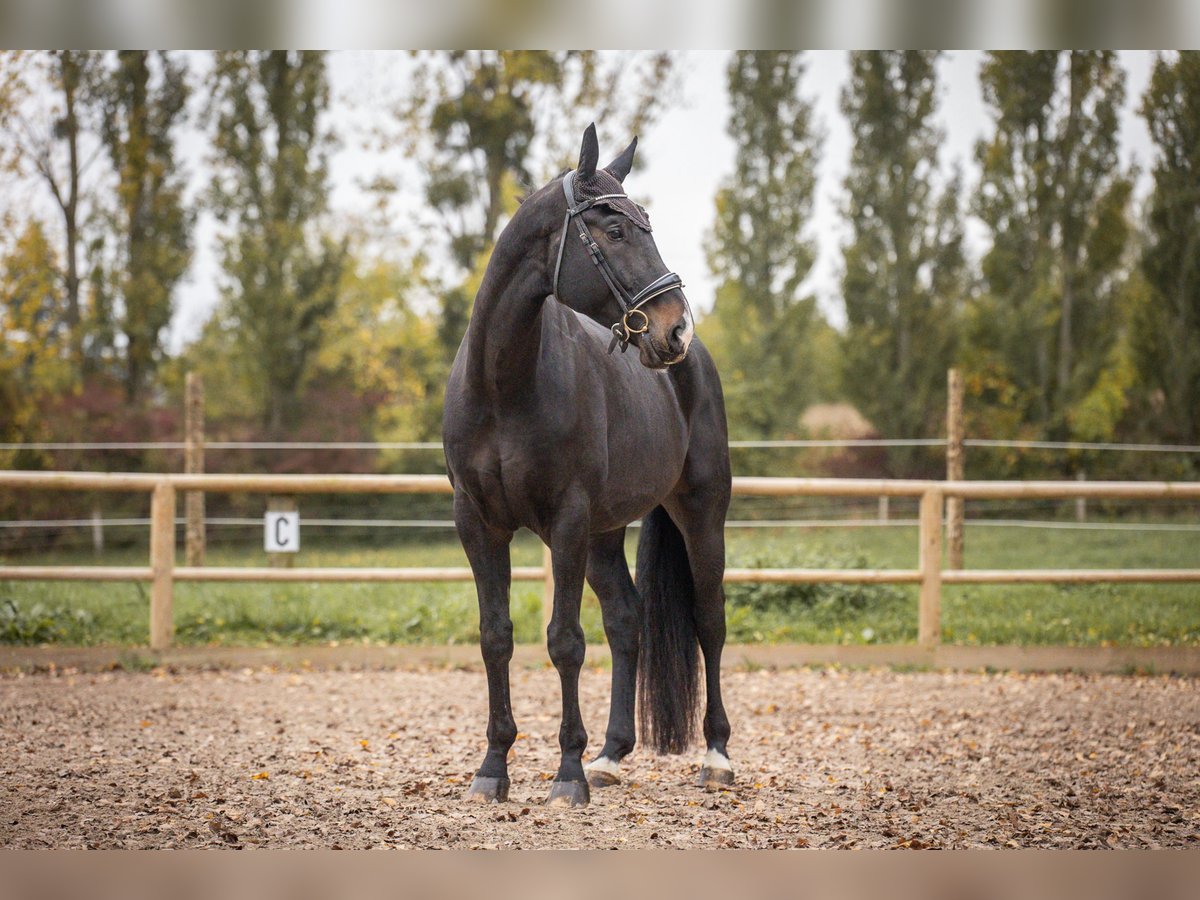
[[270, 191], [152, 224], [1167, 324], [758, 249], [34, 344], [488, 124], [14, 92], [904, 278], [1054, 198], [387, 353], [53, 140]]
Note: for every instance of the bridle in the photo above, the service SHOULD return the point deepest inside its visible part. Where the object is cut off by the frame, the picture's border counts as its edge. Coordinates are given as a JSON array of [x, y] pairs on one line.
[[631, 304]]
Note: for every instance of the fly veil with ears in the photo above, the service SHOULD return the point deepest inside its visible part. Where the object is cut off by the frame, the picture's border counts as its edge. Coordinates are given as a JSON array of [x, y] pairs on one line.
[[602, 188]]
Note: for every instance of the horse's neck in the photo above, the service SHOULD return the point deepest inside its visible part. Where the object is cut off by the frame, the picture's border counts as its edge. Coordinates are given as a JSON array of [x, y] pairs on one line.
[[506, 325]]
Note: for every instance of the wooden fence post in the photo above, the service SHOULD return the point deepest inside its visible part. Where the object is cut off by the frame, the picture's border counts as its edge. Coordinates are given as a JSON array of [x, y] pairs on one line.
[[954, 466], [193, 463], [929, 628], [162, 565], [883, 508], [547, 590]]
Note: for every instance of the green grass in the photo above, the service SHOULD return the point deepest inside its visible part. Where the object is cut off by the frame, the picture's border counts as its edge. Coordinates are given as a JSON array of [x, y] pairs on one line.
[[81, 613]]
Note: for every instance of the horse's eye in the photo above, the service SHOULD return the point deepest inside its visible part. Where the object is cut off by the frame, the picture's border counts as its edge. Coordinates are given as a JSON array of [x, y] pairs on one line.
[[614, 234]]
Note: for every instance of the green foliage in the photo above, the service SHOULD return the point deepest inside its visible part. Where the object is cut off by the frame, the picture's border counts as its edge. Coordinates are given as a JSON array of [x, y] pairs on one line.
[[478, 109], [47, 112], [761, 323], [1167, 321], [151, 227], [1054, 197], [487, 123], [34, 353], [41, 624], [905, 272], [14, 93], [271, 192], [826, 602], [379, 345]]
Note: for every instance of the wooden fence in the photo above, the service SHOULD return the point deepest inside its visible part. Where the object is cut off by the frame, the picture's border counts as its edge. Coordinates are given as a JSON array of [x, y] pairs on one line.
[[930, 574]]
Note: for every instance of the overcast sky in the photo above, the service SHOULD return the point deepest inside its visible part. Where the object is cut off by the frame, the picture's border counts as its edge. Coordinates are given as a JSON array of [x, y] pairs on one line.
[[687, 153]]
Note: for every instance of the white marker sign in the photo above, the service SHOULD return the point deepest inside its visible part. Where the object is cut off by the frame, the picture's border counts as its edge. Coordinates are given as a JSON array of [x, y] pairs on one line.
[[281, 532]]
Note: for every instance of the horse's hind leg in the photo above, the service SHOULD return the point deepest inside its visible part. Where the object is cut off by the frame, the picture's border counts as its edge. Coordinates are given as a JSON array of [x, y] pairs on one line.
[[564, 639], [608, 574], [702, 520], [488, 553]]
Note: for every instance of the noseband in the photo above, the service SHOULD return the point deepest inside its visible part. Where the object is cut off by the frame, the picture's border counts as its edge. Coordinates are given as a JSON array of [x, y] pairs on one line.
[[631, 304]]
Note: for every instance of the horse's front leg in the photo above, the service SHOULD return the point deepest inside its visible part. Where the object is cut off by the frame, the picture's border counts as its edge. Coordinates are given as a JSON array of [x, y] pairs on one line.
[[564, 637], [488, 552]]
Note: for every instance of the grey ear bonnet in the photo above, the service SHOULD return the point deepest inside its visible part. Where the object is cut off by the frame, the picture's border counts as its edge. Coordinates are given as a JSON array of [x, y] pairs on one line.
[[603, 189]]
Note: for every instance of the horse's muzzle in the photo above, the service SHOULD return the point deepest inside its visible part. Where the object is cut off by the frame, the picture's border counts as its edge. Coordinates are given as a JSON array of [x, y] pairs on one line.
[[655, 356]]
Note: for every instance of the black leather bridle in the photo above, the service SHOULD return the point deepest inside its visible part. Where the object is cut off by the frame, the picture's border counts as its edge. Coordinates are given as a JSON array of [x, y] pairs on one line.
[[631, 304]]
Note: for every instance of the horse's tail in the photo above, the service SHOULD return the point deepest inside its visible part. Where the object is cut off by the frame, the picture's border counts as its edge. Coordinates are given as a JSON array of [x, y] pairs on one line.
[[669, 665]]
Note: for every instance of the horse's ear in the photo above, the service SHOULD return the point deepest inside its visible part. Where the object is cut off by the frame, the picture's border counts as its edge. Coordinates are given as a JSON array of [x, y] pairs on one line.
[[589, 154], [620, 166]]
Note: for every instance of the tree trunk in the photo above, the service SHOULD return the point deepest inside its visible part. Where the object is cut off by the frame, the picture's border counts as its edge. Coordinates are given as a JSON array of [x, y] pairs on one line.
[[70, 209], [1071, 238]]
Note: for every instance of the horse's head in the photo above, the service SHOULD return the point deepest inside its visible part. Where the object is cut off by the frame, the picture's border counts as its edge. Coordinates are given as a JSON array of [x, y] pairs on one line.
[[606, 265]]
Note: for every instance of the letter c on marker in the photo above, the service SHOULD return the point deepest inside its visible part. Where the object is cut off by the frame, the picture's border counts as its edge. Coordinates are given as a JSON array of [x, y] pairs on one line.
[[279, 538]]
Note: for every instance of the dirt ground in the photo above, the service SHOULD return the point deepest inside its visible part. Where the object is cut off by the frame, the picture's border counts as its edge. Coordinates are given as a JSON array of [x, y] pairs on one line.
[[824, 758]]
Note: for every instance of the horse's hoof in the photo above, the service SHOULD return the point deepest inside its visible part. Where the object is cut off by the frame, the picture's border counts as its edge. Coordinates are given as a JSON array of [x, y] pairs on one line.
[[602, 772], [600, 779], [487, 790], [714, 779], [568, 794]]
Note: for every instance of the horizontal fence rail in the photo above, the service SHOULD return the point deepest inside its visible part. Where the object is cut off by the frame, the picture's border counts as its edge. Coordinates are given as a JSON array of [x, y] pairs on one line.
[[796, 444], [891, 522], [930, 575]]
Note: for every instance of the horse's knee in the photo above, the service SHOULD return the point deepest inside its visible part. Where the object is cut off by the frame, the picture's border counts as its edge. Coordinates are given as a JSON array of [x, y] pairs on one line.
[[496, 640], [566, 646]]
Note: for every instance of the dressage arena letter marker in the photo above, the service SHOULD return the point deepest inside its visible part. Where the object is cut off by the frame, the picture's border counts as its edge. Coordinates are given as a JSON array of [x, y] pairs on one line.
[[281, 532]]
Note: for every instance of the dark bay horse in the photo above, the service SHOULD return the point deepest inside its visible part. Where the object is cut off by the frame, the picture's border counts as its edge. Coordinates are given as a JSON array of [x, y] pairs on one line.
[[551, 427]]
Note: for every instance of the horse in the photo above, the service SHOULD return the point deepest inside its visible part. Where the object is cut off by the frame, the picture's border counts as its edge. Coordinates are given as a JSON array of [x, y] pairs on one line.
[[548, 427]]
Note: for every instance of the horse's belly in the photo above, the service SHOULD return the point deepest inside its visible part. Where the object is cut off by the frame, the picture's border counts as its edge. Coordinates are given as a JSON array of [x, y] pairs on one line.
[[645, 459]]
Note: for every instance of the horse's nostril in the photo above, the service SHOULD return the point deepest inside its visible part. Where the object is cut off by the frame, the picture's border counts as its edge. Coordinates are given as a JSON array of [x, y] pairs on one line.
[[676, 337]]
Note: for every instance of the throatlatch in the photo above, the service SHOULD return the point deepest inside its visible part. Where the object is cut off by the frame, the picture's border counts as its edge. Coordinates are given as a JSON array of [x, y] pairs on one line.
[[624, 330]]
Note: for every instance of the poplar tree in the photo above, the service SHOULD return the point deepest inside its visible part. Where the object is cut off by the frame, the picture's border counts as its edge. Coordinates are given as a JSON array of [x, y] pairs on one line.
[[759, 250], [270, 191], [904, 269], [1167, 324], [1054, 197], [153, 228]]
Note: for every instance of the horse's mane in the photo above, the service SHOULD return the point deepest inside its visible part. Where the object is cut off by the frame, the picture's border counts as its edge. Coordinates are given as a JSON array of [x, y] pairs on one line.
[[530, 191]]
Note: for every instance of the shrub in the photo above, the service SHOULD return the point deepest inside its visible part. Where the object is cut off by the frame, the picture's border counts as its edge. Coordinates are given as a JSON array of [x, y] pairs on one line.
[[827, 600], [40, 624]]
